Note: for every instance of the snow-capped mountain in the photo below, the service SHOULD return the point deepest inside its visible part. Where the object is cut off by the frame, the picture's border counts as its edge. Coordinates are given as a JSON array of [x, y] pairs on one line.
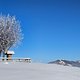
[[66, 63]]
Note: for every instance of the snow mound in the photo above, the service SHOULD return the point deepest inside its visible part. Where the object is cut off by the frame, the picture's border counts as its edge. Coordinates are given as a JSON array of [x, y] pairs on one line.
[[38, 71]]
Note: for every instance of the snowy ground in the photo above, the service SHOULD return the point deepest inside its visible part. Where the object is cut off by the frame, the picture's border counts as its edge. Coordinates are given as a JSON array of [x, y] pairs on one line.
[[36, 71]]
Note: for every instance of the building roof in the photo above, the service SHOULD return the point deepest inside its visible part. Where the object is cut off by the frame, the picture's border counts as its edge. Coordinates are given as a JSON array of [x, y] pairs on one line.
[[10, 52]]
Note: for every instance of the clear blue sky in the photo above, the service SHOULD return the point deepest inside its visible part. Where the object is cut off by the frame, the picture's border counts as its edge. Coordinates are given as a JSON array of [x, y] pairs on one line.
[[51, 28]]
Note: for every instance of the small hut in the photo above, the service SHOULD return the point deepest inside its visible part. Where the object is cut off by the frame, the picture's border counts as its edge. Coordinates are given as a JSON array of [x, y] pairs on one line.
[[9, 55]]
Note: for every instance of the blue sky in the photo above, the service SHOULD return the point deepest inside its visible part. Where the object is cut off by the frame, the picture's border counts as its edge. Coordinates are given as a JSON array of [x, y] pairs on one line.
[[51, 28]]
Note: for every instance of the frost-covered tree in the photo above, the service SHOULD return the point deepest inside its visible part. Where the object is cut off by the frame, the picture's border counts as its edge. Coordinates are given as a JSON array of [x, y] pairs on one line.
[[10, 32]]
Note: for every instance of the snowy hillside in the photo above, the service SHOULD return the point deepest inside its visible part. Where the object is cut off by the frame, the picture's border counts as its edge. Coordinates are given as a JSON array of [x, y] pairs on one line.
[[66, 63], [37, 71]]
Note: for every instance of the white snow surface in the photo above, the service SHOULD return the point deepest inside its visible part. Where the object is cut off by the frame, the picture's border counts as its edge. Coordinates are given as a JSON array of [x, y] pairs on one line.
[[37, 71]]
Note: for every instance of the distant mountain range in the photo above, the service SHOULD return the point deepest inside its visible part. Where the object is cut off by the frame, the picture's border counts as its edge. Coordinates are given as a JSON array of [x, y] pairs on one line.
[[66, 63]]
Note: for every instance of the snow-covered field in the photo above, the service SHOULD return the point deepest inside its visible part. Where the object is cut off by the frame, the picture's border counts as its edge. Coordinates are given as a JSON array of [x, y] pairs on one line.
[[37, 71]]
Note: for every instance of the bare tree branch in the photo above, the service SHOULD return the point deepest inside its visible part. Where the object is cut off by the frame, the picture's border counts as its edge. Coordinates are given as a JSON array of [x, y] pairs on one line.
[[10, 32]]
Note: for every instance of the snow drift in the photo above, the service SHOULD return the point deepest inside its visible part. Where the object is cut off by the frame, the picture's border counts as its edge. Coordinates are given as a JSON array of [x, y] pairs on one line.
[[38, 71]]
